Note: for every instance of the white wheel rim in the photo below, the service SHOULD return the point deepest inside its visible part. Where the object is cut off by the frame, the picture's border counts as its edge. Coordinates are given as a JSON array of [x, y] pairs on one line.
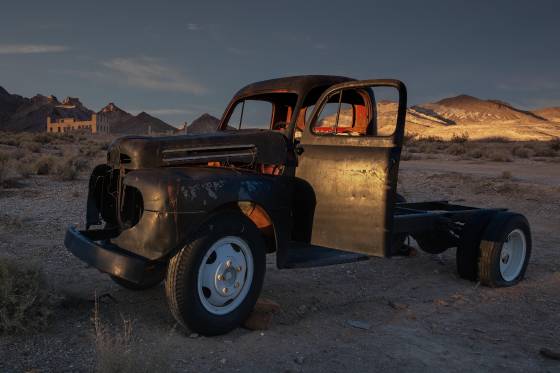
[[225, 275], [512, 255]]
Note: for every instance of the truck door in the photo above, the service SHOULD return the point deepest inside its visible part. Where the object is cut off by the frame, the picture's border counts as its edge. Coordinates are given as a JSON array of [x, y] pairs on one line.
[[349, 155]]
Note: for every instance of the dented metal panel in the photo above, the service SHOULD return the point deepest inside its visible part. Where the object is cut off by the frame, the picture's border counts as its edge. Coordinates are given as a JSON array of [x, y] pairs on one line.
[[178, 200], [353, 180]]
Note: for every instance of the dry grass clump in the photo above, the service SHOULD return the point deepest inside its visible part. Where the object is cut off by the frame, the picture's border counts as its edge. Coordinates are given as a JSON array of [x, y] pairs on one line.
[[25, 298], [522, 152], [506, 175], [460, 138], [555, 144], [117, 351], [45, 165], [499, 155], [457, 149], [32, 147], [4, 158]]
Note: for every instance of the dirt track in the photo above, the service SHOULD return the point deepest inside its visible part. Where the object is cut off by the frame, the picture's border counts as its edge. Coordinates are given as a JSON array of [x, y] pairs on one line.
[[414, 314]]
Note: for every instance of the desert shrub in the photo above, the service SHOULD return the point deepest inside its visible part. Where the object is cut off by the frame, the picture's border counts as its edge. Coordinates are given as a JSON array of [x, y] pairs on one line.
[[103, 146], [117, 350], [408, 139], [67, 170], [10, 138], [555, 144], [475, 153], [432, 139], [4, 158], [460, 138], [496, 139], [80, 164], [406, 155], [499, 155], [45, 165], [457, 149], [545, 152], [522, 152], [33, 147], [26, 300], [24, 168], [506, 175], [44, 138]]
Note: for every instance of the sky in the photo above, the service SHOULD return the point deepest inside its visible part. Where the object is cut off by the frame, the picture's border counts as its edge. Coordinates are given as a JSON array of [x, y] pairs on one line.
[[179, 59]]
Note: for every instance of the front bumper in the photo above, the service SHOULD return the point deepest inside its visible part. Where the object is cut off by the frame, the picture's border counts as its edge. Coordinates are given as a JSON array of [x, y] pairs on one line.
[[94, 248]]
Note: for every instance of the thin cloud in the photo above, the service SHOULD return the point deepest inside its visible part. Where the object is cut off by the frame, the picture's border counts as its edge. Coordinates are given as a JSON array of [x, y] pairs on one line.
[[151, 73], [31, 48], [193, 27]]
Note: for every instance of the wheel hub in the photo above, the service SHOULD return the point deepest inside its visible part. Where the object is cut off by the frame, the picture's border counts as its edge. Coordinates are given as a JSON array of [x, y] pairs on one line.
[[225, 275], [512, 256], [228, 280]]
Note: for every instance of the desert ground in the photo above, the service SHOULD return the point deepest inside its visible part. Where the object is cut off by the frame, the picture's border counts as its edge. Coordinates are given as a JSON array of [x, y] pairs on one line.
[[402, 314]]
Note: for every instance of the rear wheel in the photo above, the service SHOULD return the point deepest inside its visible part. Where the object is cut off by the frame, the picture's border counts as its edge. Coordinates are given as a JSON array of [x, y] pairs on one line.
[[213, 283], [505, 250], [468, 250]]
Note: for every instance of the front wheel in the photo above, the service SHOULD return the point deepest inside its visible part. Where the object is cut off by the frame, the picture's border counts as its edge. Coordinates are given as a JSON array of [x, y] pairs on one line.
[[213, 283]]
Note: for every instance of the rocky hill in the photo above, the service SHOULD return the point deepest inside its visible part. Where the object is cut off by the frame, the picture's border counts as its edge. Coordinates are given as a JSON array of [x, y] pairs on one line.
[[469, 109], [19, 113], [550, 113], [204, 123], [122, 122]]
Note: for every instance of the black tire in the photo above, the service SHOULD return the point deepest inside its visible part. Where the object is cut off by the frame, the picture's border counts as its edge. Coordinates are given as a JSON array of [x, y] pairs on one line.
[[496, 233], [468, 250], [153, 277], [181, 284]]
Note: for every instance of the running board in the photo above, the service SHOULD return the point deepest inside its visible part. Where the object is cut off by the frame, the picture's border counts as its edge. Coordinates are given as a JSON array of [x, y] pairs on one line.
[[307, 256]]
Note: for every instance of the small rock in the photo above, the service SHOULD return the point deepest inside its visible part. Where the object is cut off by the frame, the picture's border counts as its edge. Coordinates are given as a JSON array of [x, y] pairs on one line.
[[266, 305], [397, 306], [261, 317], [258, 321], [299, 360], [441, 302], [359, 324], [193, 335], [223, 361], [550, 354], [438, 258]]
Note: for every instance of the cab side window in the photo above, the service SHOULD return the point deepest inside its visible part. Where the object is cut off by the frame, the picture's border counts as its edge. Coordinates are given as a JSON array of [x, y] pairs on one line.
[[347, 113]]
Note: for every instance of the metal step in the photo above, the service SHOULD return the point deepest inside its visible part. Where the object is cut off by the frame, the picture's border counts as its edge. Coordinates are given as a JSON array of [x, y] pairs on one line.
[[301, 255]]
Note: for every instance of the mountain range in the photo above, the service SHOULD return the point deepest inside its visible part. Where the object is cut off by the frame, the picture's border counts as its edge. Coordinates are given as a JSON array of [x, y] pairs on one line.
[[19, 113], [444, 118]]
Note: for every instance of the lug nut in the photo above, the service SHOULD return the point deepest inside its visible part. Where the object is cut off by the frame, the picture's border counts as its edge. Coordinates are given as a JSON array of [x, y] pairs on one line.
[[238, 269], [228, 263], [236, 284], [225, 290], [220, 277]]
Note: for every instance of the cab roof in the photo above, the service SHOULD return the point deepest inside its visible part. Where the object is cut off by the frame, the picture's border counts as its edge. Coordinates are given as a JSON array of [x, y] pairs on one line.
[[300, 85]]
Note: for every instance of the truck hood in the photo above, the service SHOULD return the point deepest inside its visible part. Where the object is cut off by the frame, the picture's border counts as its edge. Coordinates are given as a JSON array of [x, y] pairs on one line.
[[242, 146]]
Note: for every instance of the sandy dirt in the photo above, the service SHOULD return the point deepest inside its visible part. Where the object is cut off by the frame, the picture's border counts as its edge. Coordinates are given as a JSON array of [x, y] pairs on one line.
[[403, 314]]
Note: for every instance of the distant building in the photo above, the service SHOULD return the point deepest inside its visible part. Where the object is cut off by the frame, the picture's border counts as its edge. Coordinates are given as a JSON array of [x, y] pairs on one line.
[[63, 125]]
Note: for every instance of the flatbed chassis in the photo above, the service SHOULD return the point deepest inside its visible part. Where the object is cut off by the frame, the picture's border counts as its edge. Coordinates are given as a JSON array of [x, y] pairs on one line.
[[418, 217]]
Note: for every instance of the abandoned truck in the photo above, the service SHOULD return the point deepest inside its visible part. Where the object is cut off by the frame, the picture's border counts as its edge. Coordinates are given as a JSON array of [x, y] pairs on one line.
[[303, 167]]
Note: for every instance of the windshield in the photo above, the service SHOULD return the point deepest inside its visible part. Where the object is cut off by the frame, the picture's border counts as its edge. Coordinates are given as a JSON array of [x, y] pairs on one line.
[[270, 111]]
